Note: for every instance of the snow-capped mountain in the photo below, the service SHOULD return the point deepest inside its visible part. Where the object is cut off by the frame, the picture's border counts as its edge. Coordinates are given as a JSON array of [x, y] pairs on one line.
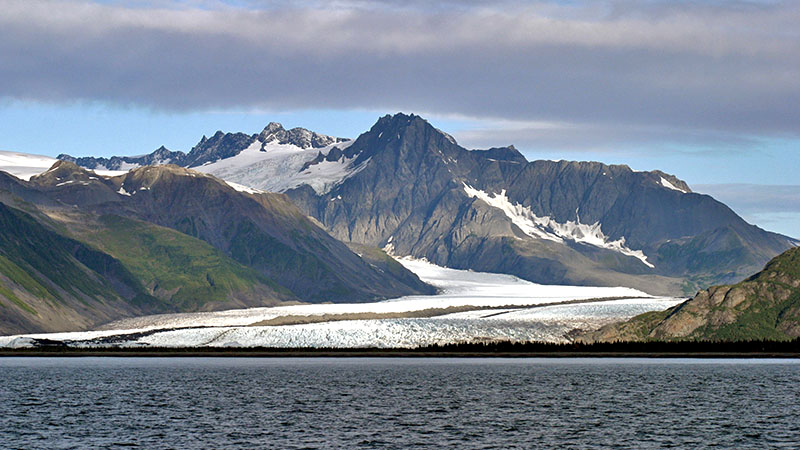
[[410, 188]]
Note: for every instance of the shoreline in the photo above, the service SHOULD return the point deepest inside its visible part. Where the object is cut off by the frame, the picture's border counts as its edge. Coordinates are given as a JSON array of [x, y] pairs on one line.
[[313, 355], [653, 349]]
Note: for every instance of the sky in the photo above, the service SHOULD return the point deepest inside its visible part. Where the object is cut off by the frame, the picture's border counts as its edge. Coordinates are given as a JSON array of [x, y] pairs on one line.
[[706, 90]]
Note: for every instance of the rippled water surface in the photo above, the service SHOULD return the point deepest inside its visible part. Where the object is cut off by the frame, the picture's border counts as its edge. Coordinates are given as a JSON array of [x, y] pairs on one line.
[[204, 403]]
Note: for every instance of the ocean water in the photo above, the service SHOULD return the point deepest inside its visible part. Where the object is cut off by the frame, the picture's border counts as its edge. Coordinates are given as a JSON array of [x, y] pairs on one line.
[[236, 403]]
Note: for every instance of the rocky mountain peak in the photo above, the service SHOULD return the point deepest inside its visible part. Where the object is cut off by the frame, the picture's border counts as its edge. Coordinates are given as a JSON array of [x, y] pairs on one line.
[[219, 146], [300, 137], [269, 132], [167, 176], [397, 127], [153, 172], [398, 122]]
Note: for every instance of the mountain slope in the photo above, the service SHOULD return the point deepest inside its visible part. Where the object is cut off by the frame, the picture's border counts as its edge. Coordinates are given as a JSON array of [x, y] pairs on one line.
[[263, 231], [766, 306], [89, 249], [65, 269], [49, 282], [185, 273]]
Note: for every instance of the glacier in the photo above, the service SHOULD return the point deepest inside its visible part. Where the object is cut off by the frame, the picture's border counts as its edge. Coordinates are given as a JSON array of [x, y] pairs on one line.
[[24, 165], [501, 307], [275, 167]]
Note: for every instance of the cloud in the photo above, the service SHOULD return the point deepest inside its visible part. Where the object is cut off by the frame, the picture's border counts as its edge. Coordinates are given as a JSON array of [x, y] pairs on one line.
[[600, 70], [599, 137]]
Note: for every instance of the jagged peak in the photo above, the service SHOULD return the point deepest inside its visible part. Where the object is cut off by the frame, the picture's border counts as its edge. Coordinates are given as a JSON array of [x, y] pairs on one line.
[[272, 127], [399, 122], [300, 137]]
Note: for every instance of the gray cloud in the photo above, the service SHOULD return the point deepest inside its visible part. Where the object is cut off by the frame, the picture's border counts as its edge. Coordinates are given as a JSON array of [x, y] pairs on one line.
[[621, 70], [599, 137]]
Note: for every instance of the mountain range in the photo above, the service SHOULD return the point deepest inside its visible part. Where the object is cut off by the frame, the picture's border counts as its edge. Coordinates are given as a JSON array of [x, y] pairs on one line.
[[292, 215], [409, 188]]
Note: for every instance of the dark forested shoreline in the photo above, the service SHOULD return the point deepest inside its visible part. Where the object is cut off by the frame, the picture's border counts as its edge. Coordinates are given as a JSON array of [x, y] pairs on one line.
[[654, 349]]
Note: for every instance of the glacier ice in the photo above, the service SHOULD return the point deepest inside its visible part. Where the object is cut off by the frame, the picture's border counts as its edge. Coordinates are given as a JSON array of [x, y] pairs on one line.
[[504, 309]]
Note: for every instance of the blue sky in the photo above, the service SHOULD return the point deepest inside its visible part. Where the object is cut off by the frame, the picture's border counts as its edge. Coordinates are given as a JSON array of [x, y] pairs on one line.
[[708, 91]]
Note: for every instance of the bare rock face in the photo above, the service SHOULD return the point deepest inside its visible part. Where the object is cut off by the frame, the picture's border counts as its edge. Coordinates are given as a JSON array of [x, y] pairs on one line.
[[765, 306]]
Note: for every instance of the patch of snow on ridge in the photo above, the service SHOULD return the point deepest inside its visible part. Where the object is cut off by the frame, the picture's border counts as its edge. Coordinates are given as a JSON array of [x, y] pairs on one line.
[[548, 228], [520, 215], [240, 188], [669, 185]]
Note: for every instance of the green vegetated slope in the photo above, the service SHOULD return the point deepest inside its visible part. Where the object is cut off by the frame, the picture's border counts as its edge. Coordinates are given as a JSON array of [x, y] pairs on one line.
[[112, 267], [49, 281], [184, 272], [765, 306]]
